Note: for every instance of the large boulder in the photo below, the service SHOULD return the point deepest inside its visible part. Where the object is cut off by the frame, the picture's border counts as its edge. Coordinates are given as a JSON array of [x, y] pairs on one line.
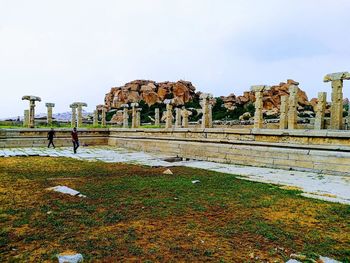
[[271, 97], [151, 92]]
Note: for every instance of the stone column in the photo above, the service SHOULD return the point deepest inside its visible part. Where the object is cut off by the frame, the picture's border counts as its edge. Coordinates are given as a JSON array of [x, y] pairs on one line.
[[210, 115], [284, 112], [74, 115], [26, 118], [320, 111], [49, 112], [125, 116], [185, 114], [258, 115], [293, 107], [177, 118], [134, 114], [103, 117], [169, 114], [156, 117], [138, 117], [337, 98], [205, 109], [32, 100], [79, 106], [95, 118]]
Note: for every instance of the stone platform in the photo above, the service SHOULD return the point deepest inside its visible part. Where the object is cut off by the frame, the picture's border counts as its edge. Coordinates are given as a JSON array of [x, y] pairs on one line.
[[330, 188]]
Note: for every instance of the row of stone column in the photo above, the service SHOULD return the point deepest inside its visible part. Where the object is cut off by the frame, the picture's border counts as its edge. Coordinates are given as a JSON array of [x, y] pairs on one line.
[[29, 115], [181, 114], [289, 105]]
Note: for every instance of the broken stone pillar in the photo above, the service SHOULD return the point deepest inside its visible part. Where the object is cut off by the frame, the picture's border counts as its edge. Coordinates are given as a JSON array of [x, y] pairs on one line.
[[80, 106], [293, 107], [156, 117], [284, 112], [185, 114], [125, 116], [177, 118], [169, 114], [32, 100], [26, 118], [138, 117], [103, 116], [49, 112], [134, 115], [74, 115], [210, 113], [205, 97], [95, 118], [320, 111], [337, 98], [258, 115]]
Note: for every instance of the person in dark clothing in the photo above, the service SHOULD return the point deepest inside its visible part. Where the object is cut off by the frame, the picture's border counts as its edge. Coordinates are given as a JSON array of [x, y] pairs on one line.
[[75, 140], [50, 135]]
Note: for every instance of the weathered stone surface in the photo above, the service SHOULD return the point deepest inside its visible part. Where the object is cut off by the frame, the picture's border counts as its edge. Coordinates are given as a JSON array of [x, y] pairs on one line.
[[271, 98], [151, 92]]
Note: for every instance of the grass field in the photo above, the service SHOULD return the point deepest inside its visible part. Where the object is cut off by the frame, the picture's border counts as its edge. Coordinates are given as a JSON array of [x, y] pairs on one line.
[[136, 213]]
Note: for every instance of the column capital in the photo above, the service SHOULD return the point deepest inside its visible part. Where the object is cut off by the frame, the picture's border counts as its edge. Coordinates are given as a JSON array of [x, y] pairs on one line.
[[49, 104], [336, 76], [259, 88]]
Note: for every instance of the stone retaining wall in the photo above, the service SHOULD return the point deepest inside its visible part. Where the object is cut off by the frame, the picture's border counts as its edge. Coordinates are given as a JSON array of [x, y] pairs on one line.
[[38, 137], [322, 151], [307, 150]]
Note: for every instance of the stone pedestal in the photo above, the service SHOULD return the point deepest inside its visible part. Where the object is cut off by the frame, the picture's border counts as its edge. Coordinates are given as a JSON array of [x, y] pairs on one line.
[[258, 115], [337, 98], [293, 107], [95, 118], [26, 118], [169, 116], [284, 112], [320, 111], [177, 118], [156, 117], [49, 112]]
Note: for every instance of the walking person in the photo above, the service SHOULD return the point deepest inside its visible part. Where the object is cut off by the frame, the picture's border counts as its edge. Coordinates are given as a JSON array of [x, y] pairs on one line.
[[50, 135], [75, 140]]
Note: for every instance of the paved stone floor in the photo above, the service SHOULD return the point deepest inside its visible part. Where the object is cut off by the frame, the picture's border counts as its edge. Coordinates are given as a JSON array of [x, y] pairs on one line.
[[327, 187]]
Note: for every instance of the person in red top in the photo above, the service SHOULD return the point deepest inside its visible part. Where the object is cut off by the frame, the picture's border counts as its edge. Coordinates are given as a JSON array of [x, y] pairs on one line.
[[75, 140]]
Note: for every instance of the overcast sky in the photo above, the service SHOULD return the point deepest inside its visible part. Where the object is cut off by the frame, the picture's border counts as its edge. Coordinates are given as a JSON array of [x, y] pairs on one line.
[[70, 50]]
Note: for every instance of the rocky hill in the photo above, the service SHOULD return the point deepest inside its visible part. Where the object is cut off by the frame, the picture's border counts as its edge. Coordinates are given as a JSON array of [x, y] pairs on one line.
[[151, 92]]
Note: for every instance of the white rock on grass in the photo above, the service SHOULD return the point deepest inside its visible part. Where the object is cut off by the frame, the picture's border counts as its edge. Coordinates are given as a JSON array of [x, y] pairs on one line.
[[69, 258], [196, 182], [65, 190], [328, 260], [167, 171]]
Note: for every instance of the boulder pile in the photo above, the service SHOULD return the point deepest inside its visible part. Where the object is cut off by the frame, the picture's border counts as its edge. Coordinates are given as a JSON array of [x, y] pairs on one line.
[[150, 92], [271, 98]]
